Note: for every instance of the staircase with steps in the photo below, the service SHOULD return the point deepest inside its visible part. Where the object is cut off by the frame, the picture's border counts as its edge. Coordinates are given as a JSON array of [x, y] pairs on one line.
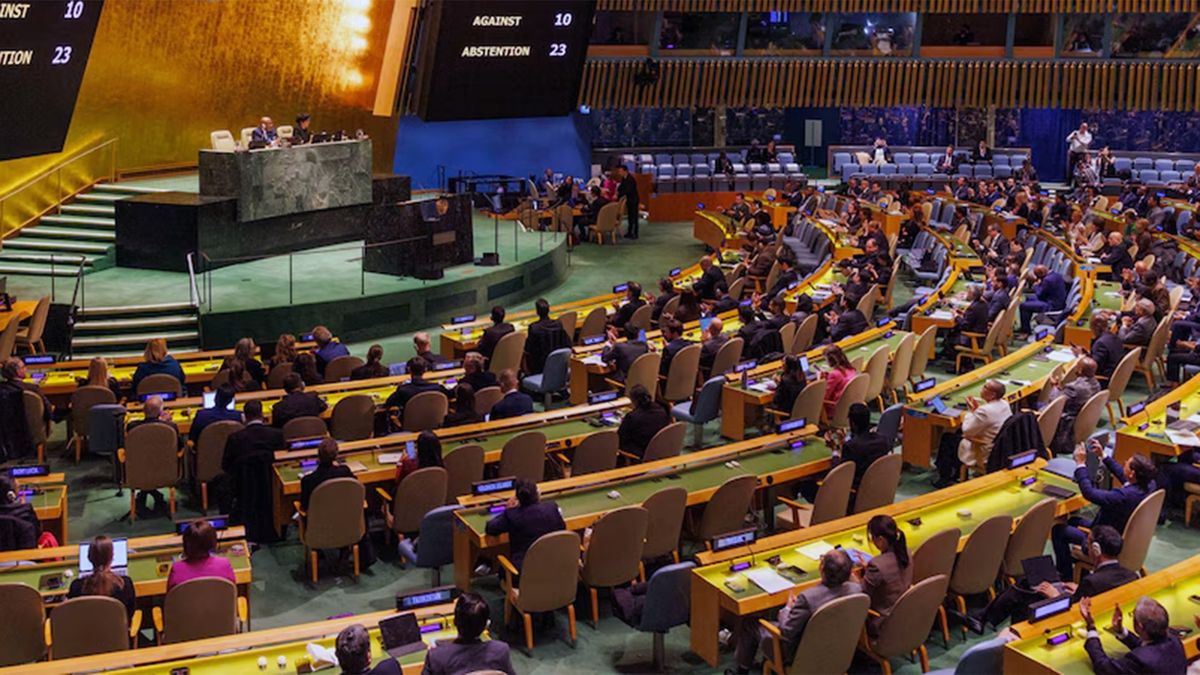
[[84, 228], [124, 331]]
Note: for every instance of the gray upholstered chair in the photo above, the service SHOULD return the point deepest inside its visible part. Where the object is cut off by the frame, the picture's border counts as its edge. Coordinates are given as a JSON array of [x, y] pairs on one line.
[[434, 546]]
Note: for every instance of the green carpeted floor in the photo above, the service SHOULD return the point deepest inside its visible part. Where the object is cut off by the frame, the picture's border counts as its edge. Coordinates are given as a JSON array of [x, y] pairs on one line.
[[279, 598]]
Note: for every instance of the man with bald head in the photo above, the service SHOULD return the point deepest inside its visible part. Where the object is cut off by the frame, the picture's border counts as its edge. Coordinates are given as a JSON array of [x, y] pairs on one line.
[[1116, 255], [710, 280], [979, 428], [1137, 330], [265, 132]]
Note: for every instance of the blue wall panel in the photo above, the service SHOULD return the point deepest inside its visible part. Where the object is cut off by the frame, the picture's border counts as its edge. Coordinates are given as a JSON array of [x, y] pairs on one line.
[[517, 147]]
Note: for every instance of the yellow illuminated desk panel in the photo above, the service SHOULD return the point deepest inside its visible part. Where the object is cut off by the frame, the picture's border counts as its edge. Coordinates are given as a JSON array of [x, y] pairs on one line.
[[999, 493], [1023, 372], [584, 499], [1172, 587], [1152, 440]]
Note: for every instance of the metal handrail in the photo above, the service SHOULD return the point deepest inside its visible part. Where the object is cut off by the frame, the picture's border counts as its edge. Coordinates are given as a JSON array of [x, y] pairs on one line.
[[56, 171], [78, 301], [193, 289]]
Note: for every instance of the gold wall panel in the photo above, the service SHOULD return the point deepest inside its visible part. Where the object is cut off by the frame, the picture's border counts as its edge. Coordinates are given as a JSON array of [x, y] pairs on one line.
[[164, 73]]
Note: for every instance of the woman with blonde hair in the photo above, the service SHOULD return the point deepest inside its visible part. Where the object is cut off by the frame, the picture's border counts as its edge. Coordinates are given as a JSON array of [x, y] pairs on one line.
[[158, 360], [98, 376]]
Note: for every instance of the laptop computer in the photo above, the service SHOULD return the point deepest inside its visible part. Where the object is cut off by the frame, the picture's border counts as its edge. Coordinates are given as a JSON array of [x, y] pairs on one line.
[[400, 635], [120, 560], [1038, 569]]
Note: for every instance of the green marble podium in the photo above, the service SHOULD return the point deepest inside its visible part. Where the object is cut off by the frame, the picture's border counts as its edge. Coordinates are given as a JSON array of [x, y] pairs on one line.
[[274, 182]]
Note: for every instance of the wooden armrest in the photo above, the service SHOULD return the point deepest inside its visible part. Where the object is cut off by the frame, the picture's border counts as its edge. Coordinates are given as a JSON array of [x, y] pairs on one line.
[[776, 655], [296, 505], [562, 458], [135, 625], [507, 565], [873, 613], [629, 455], [777, 413], [157, 618], [793, 504], [243, 609], [121, 455], [383, 493], [46, 628]]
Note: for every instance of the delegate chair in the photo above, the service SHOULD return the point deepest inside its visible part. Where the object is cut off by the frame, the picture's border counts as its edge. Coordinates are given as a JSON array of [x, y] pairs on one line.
[[150, 458], [879, 483], [877, 367], [35, 421], [524, 456], [339, 369], [727, 508], [828, 642], [1118, 383], [82, 402], [464, 466], [508, 353], [1049, 416], [434, 546], [207, 454], [889, 424], [680, 383], [702, 409], [278, 374], [667, 604], [644, 371], [308, 426], [417, 494], [832, 501], [353, 418], [727, 356], [553, 378], [803, 340], [904, 630], [593, 324], [222, 140], [901, 366], [982, 346], [608, 222], [8, 339], [668, 442], [1028, 539], [31, 338], [160, 383], [1139, 531], [91, 624], [246, 134], [334, 520], [921, 354], [855, 392], [200, 608], [486, 399], [425, 411], [808, 404], [613, 555], [641, 317], [597, 452], [544, 587], [666, 508], [23, 639], [936, 556], [979, 562], [1089, 416]]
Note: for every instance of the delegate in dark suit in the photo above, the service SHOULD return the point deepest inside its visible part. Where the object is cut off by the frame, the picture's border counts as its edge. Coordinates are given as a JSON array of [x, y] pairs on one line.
[[627, 189], [491, 337], [257, 438], [1116, 506], [1107, 351], [319, 475], [623, 354], [404, 393], [625, 312], [791, 621], [524, 524], [544, 337], [1164, 656], [709, 349], [996, 304], [1118, 258], [296, 404], [849, 323], [640, 425], [1139, 333], [708, 283], [513, 404], [1107, 576], [669, 351], [1050, 296], [467, 656]]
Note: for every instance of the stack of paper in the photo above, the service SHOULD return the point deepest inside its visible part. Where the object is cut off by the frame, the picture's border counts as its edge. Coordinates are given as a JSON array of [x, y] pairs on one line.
[[769, 580], [942, 315], [1183, 438], [815, 550], [1061, 355], [390, 457]]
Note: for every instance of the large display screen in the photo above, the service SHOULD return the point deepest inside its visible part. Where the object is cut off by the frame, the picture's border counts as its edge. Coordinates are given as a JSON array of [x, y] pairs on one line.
[[44, 47], [502, 58]]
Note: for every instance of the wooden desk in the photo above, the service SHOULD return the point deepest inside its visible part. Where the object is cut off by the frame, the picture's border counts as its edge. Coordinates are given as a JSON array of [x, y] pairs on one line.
[[1151, 441], [49, 502], [1171, 587], [1023, 372], [585, 499], [994, 494], [240, 653], [564, 429], [149, 563], [741, 406], [20, 310]]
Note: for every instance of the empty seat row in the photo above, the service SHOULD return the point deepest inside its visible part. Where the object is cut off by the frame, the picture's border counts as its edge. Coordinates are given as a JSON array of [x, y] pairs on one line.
[[722, 183]]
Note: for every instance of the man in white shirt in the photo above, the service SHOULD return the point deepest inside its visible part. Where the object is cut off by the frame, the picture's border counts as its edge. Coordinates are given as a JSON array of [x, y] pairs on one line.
[[1078, 142], [983, 422]]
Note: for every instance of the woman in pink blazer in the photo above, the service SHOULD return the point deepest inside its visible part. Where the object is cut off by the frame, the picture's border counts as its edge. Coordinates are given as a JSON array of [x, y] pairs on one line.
[[837, 377]]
